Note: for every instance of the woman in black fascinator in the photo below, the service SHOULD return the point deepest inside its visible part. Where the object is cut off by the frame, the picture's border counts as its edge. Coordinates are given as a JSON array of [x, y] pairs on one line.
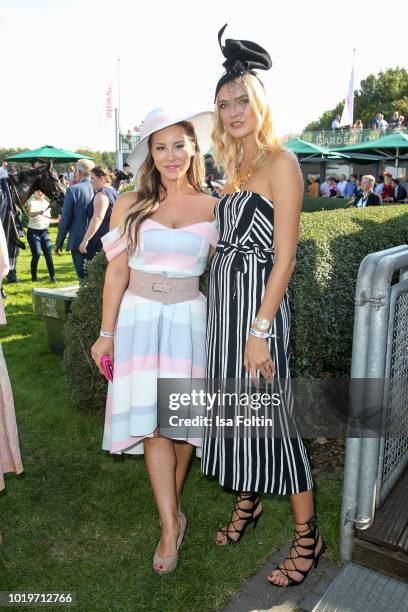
[[248, 322]]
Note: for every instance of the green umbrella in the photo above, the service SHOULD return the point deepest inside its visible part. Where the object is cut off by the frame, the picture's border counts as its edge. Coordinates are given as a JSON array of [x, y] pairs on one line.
[[301, 147], [393, 142], [46, 153]]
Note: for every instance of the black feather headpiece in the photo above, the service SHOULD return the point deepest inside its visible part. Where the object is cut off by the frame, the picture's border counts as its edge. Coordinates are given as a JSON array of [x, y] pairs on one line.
[[242, 56]]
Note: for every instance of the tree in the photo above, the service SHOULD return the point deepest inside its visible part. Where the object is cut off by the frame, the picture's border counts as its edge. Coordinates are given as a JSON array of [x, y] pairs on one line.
[[385, 93]]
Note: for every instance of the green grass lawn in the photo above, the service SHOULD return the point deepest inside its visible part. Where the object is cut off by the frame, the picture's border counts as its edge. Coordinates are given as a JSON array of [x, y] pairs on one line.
[[80, 520]]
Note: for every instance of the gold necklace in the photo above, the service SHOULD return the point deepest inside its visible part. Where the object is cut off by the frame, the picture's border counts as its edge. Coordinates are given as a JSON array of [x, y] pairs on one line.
[[239, 181]]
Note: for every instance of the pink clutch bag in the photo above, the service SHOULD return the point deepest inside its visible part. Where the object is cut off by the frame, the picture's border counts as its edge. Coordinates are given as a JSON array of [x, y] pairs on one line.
[[107, 367]]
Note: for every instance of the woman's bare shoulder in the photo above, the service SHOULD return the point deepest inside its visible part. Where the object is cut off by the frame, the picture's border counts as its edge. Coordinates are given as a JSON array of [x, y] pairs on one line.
[[124, 202], [207, 203], [283, 158]]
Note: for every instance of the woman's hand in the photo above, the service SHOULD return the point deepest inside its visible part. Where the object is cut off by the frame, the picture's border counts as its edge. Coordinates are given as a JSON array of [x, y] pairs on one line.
[[258, 357], [82, 247], [103, 346]]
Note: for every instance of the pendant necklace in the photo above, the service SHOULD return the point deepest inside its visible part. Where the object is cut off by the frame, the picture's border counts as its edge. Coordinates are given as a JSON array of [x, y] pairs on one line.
[[239, 181]]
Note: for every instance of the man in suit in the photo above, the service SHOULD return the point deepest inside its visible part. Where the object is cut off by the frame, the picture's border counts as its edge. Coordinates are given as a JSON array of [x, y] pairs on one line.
[[399, 192], [73, 219], [367, 197]]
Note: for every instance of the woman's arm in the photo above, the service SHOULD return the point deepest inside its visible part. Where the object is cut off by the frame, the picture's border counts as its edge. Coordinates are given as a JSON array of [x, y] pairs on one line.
[[287, 195], [286, 186], [116, 283], [101, 205]]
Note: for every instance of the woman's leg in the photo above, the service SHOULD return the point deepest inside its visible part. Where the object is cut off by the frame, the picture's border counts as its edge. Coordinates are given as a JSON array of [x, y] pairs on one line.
[[303, 511], [161, 463], [35, 247], [183, 452], [46, 245], [247, 507]]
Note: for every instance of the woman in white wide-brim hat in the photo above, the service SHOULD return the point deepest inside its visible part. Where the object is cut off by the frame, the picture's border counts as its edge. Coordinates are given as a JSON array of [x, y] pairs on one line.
[[153, 320]]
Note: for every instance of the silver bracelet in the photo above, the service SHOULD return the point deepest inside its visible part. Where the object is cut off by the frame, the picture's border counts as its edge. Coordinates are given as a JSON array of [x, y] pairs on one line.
[[259, 334], [105, 334]]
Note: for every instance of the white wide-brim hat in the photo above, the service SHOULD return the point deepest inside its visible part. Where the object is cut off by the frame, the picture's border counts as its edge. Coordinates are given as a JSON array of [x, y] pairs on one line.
[[161, 118]]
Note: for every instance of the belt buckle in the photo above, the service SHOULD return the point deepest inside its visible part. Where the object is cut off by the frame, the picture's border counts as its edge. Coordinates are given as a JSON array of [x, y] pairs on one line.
[[160, 287]]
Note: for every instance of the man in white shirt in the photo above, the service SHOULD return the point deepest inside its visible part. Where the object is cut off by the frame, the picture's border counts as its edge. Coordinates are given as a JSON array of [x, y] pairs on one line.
[[3, 170], [336, 123], [341, 185], [383, 124]]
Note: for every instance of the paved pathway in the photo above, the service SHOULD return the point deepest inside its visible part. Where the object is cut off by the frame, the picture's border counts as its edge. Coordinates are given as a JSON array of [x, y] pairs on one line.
[[329, 588]]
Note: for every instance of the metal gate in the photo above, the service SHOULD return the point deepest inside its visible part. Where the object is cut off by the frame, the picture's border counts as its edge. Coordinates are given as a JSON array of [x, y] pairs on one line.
[[393, 457], [380, 351]]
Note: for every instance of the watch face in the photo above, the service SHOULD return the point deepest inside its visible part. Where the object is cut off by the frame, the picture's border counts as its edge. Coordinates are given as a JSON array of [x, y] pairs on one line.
[[263, 324]]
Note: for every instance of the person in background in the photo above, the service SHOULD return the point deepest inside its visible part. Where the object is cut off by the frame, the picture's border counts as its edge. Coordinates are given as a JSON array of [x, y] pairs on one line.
[[341, 186], [399, 192], [367, 197], [350, 189], [323, 188], [63, 180], [394, 121], [98, 212], [216, 189], [387, 192], [39, 212], [4, 170], [74, 218], [379, 185], [10, 458], [401, 120], [336, 123], [331, 190], [359, 125], [313, 187], [382, 124], [71, 175], [375, 123]]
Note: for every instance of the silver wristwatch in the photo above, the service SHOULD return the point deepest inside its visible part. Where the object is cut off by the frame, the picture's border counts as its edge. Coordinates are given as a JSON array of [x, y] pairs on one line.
[[262, 323]]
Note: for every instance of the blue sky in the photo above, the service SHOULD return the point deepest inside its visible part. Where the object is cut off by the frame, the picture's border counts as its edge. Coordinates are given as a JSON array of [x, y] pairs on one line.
[[59, 57]]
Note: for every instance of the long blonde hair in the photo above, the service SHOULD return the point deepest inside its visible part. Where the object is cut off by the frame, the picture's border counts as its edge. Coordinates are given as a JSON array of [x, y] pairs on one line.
[[227, 149], [151, 187]]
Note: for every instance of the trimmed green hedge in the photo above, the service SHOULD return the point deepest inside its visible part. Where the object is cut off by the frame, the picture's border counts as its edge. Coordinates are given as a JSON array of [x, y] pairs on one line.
[[332, 245], [317, 204]]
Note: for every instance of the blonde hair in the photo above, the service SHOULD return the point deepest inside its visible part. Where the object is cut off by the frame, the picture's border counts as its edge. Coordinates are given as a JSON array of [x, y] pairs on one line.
[[84, 166], [369, 177], [148, 195], [227, 149]]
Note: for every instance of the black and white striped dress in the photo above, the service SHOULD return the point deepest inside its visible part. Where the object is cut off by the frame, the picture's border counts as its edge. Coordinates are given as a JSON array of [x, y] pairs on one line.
[[238, 274]]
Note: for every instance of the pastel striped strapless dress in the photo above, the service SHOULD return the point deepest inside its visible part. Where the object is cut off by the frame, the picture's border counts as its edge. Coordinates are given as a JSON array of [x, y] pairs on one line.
[[155, 340]]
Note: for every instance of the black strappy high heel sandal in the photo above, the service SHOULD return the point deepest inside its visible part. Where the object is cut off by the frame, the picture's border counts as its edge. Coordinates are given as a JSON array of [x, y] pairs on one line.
[[312, 533], [248, 519]]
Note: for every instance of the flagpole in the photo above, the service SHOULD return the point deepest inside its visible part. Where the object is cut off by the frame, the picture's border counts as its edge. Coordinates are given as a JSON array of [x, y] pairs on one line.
[[119, 94], [117, 121]]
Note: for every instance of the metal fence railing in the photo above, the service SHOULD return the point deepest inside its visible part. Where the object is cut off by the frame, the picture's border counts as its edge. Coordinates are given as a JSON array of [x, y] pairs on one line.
[[394, 447], [380, 351]]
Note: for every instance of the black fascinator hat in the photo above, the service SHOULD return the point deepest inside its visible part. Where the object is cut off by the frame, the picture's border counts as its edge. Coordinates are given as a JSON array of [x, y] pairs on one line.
[[242, 57]]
